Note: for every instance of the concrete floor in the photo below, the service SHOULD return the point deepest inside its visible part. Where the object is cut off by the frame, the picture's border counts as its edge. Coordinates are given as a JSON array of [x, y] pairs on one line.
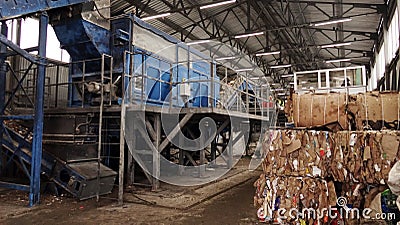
[[229, 201]]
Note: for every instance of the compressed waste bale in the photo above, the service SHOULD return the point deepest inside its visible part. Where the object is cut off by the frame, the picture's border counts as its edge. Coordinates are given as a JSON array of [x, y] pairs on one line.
[[370, 110], [301, 168], [374, 110], [361, 157], [306, 200], [315, 110]]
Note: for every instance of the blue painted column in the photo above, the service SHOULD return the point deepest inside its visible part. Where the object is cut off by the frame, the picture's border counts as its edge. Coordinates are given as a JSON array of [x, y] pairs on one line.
[[34, 194], [3, 73]]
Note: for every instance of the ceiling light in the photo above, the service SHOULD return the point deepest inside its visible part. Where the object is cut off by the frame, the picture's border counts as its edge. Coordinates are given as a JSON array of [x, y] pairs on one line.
[[287, 75], [227, 58], [337, 60], [279, 89], [268, 53], [249, 35], [332, 22], [280, 66], [198, 42], [244, 70], [217, 4], [156, 16], [335, 45], [275, 84]]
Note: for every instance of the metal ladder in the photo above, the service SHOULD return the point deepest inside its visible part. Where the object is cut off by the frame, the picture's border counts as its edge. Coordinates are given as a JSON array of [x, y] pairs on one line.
[[105, 80], [127, 76]]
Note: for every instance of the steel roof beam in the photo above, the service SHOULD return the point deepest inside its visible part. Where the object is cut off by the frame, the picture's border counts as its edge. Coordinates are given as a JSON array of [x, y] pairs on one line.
[[212, 20], [286, 33], [355, 4], [166, 21]]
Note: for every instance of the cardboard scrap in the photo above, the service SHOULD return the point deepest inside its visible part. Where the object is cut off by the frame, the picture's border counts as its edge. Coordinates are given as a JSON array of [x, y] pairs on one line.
[[361, 157], [390, 146], [294, 146]]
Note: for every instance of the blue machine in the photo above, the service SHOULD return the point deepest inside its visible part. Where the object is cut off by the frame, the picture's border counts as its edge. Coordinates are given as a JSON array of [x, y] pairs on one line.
[[87, 35], [157, 85], [90, 40]]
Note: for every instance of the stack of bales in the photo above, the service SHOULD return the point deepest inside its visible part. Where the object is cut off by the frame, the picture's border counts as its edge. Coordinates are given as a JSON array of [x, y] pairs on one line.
[[341, 166]]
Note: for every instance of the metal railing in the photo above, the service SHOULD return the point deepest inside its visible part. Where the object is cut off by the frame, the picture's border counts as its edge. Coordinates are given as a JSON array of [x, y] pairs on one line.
[[24, 74], [219, 94], [64, 83], [330, 78], [67, 82]]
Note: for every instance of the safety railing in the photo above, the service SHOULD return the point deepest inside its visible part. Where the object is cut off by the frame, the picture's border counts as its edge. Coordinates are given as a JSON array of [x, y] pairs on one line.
[[66, 84], [331, 79], [166, 88], [24, 75], [69, 85]]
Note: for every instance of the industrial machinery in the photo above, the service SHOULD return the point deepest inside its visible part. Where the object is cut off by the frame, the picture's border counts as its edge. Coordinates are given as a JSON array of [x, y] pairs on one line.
[[75, 108]]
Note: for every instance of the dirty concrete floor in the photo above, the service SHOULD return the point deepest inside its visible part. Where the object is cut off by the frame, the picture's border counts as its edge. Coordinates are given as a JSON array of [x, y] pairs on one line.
[[233, 206]]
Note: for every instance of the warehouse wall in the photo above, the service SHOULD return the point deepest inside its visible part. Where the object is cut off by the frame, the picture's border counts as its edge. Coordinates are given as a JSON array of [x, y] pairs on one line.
[[385, 67]]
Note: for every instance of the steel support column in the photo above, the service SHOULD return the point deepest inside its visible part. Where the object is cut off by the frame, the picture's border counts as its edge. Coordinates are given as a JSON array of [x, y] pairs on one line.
[[121, 170], [156, 153], [34, 195], [181, 157], [230, 149], [203, 138], [3, 73]]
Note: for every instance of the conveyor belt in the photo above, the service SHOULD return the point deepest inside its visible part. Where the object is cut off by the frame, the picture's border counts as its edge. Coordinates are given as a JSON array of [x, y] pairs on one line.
[[79, 179]]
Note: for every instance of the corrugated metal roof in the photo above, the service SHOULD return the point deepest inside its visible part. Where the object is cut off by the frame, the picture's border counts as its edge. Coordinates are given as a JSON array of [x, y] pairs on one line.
[[273, 18]]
